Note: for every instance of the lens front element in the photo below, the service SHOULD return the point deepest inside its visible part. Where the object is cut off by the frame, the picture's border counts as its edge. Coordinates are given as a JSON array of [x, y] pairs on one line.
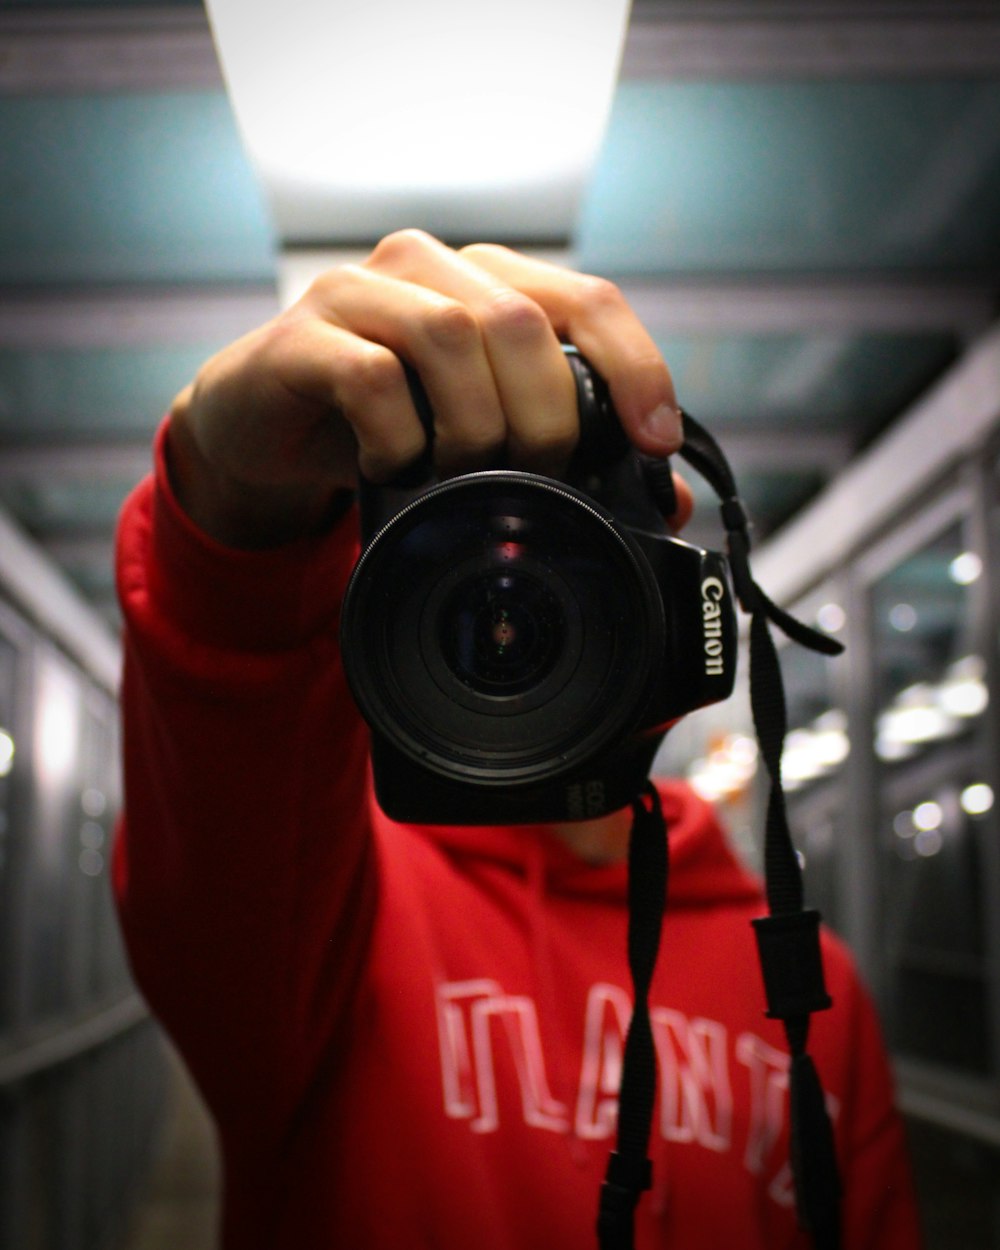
[[502, 628], [500, 631]]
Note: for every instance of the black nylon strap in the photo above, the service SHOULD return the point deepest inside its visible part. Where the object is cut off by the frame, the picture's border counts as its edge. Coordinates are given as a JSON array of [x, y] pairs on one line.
[[791, 961], [629, 1170], [788, 938]]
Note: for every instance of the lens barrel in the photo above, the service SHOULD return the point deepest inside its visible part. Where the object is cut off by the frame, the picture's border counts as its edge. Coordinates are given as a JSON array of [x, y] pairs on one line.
[[502, 628]]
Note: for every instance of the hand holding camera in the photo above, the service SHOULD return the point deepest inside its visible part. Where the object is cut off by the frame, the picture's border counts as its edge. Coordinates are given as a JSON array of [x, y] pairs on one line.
[[561, 622], [280, 421]]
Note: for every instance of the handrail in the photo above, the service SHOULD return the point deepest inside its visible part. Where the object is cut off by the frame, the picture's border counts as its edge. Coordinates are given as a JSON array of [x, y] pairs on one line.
[[59, 1043], [947, 1101]]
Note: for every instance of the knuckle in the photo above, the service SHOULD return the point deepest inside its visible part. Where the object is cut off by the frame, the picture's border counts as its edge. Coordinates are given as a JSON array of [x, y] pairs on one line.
[[323, 289], [511, 314], [400, 248], [320, 289], [278, 342], [480, 252], [376, 373], [451, 327], [596, 293]]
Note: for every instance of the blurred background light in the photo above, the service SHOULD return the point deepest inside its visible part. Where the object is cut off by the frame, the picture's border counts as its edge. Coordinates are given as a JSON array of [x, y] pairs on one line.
[[965, 568], [977, 799]]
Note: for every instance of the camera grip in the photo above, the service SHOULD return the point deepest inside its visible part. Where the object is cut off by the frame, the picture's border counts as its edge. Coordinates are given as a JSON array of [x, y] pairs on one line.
[[604, 463], [602, 439]]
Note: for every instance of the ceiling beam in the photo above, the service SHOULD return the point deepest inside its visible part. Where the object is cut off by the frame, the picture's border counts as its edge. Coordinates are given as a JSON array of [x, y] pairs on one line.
[[89, 318], [734, 40], [134, 317], [125, 460], [815, 304], [67, 52], [170, 48]]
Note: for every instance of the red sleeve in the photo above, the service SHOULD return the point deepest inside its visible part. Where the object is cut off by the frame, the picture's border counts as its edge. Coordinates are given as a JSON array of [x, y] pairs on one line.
[[880, 1210], [243, 869]]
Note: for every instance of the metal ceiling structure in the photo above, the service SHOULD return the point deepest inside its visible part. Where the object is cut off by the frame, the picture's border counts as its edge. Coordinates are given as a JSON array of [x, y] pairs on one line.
[[802, 200]]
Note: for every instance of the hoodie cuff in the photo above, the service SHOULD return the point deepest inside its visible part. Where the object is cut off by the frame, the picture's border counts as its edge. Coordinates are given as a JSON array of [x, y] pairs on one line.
[[268, 601]]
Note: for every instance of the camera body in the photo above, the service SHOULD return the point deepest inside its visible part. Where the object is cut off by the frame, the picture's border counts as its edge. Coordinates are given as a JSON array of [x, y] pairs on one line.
[[519, 645]]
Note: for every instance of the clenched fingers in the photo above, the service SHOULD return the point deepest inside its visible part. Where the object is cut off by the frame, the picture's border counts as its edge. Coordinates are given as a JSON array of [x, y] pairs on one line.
[[593, 314], [533, 384]]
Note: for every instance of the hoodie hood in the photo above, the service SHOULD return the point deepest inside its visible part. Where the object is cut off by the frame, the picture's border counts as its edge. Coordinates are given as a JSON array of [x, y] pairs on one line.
[[703, 868]]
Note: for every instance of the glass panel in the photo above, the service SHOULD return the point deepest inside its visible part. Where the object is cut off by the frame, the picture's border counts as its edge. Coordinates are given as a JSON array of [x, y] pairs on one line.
[[819, 830], [956, 1186], [933, 916], [52, 911], [8, 747], [98, 808], [930, 695]]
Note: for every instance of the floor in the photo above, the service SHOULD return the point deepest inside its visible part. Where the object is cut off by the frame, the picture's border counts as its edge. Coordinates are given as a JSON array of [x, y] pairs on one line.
[[179, 1210]]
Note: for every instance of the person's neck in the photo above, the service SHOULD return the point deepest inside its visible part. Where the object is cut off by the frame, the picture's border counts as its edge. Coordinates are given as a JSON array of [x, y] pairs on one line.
[[600, 841]]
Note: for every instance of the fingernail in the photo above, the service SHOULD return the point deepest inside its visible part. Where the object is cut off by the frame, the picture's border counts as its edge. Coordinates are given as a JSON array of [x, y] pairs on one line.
[[663, 425]]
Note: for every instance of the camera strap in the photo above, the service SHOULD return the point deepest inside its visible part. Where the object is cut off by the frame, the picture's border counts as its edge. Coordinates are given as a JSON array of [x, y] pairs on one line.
[[629, 1171], [788, 940]]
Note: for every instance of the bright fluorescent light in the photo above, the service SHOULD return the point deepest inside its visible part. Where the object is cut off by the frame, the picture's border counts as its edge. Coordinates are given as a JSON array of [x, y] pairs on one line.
[[56, 732], [927, 815], [964, 692], [815, 750], [977, 799], [467, 119], [726, 771], [965, 568], [912, 725], [831, 618]]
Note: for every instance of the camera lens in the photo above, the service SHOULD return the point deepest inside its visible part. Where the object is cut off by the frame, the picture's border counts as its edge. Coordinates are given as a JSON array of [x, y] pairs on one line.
[[500, 632], [502, 628]]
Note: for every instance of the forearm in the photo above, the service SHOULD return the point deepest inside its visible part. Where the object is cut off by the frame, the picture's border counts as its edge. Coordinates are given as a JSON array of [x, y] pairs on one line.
[[245, 771]]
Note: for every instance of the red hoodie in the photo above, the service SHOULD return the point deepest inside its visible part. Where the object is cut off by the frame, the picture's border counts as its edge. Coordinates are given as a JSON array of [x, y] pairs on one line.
[[411, 1037]]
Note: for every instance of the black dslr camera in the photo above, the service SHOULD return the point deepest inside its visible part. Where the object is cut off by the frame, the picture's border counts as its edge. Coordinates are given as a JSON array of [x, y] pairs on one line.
[[520, 645]]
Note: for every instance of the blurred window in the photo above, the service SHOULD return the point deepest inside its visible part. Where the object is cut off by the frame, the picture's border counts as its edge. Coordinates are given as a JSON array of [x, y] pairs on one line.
[[933, 782]]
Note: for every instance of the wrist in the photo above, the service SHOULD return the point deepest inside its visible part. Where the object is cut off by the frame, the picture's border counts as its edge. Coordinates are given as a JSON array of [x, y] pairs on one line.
[[239, 514], [237, 600]]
